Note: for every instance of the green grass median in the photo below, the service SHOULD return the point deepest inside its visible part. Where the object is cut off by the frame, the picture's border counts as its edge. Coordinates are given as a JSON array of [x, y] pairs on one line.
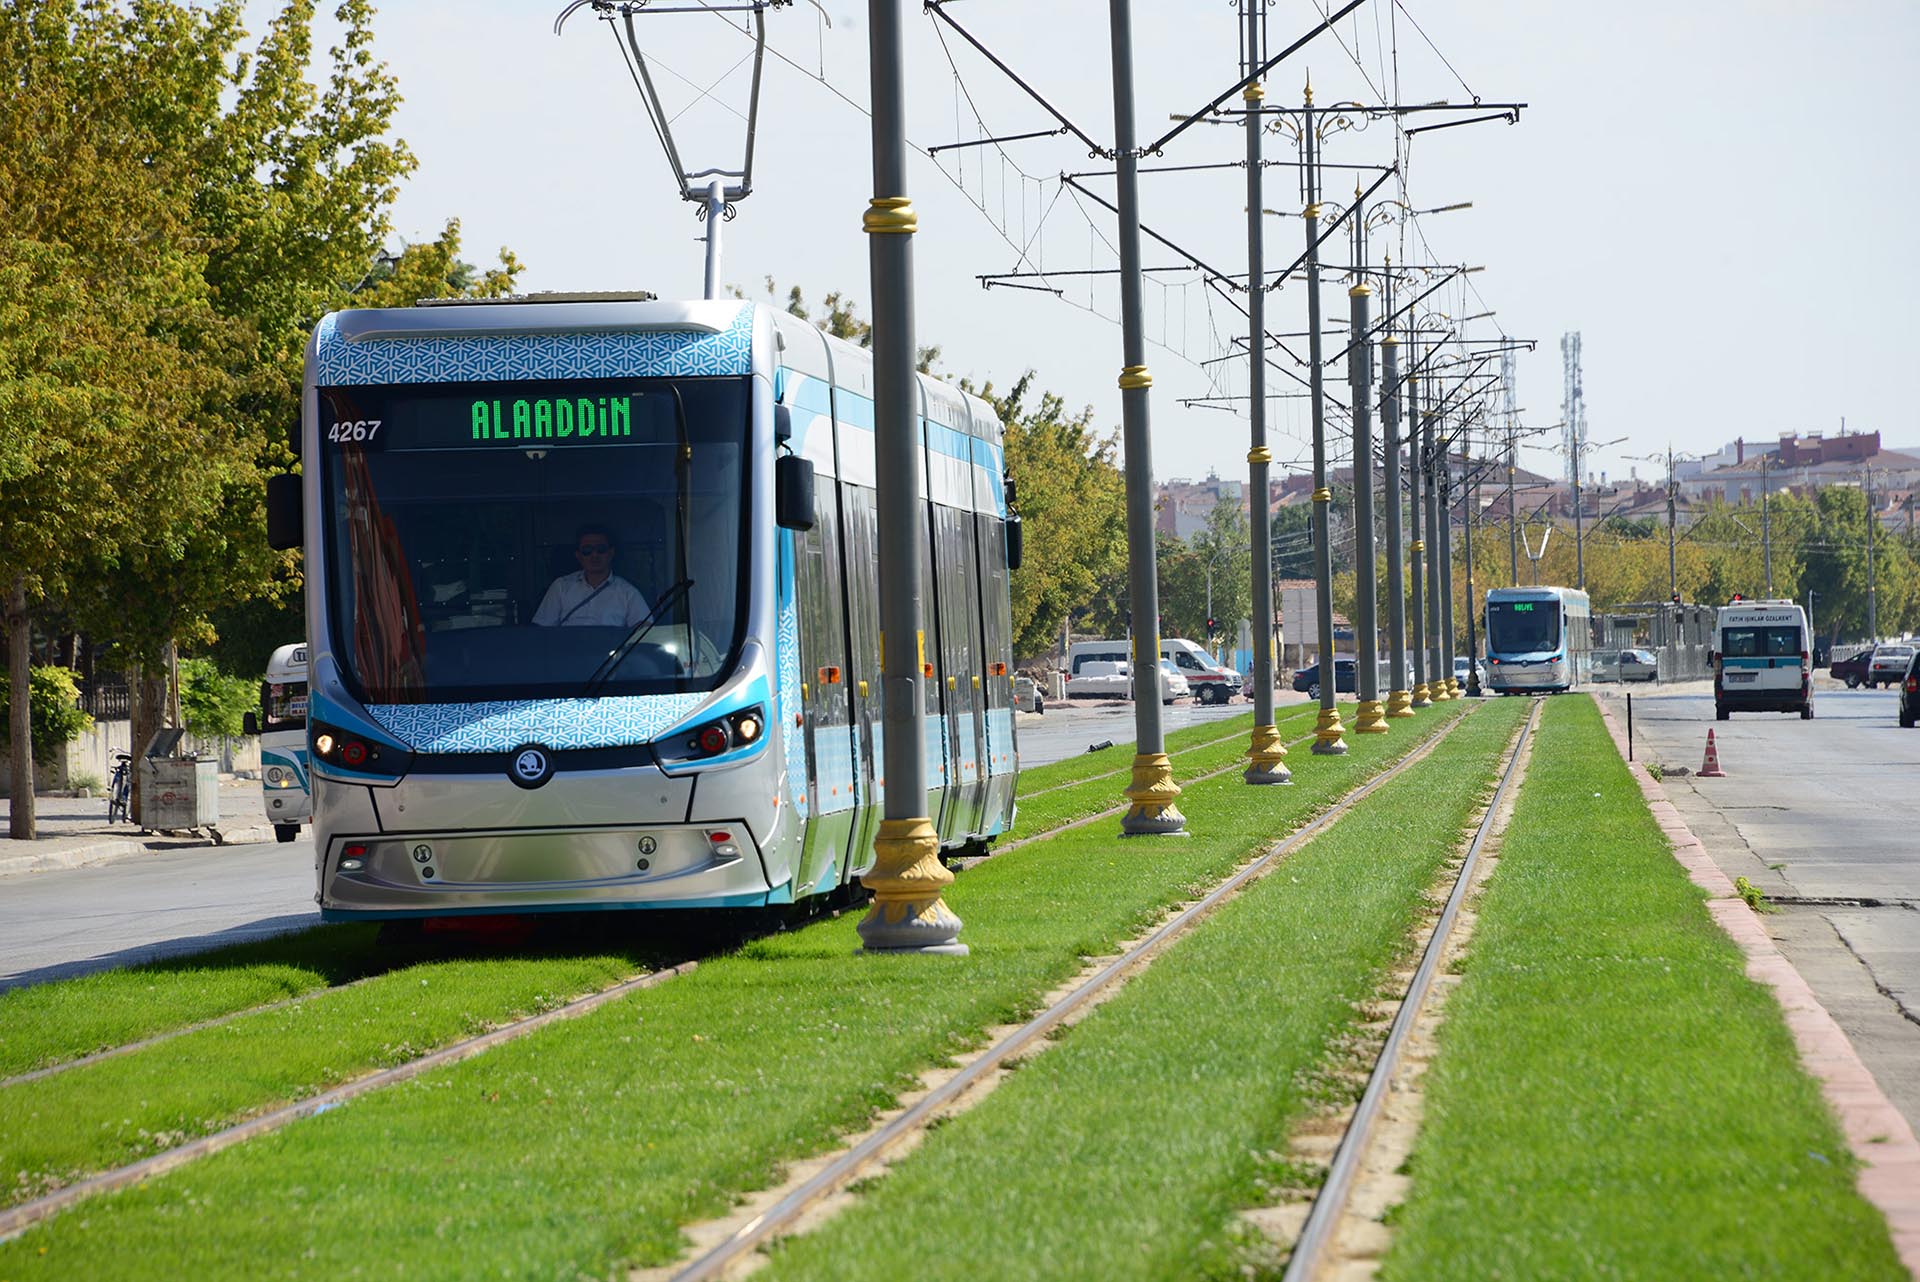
[[1086, 765], [1613, 1098], [588, 1144], [1124, 1151]]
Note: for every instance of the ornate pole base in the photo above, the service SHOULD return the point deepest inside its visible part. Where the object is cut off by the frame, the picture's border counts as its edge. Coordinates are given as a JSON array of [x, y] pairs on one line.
[[1371, 718], [908, 915], [1453, 687], [1422, 696], [1268, 755], [1329, 737], [1399, 704], [1152, 793]]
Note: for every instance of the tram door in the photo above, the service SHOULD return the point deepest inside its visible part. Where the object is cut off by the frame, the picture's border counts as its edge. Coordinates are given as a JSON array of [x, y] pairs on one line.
[[824, 672], [958, 585], [862, 545]]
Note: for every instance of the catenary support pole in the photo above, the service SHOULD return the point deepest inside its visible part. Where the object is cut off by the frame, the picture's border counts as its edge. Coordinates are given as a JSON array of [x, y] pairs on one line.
[[908, 914], [1329, 737], [1152, 791], [1266, 754], [1473, 601], [1399, 698], [1436, 621], [1417, 548], [1443, 488], [1513, 515], [1370, 717]]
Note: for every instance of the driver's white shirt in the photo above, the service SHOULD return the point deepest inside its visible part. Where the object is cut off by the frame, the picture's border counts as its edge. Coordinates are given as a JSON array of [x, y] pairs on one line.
[[618, 604]]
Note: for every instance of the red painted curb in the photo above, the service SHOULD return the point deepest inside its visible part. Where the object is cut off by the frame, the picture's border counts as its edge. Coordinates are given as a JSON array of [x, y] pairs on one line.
[[1876, 1132]]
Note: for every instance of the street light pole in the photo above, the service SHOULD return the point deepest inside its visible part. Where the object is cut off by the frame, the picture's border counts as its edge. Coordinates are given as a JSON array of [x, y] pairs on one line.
[[1437, 672], [1766, 528], [1370, 717], [1152, 791], [1329, 737], [1673, 578], [1266, 754], [908, 914], [1442, 454], [1873, 612]]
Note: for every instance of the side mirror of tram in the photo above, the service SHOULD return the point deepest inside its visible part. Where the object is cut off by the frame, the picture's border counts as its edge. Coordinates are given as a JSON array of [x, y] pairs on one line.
[[283, 512], [1015, 542], [793, 492], [249, 724]]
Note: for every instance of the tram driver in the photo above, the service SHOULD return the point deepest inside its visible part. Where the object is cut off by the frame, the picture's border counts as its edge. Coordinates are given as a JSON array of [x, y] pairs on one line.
[[593, 595]]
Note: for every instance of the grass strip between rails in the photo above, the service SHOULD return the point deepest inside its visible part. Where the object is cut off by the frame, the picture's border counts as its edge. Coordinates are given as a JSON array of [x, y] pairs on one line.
[[1613, 1096], [1124, 1151], [93, 1117], [1064, 805], [46, 1024], [587, 1145]]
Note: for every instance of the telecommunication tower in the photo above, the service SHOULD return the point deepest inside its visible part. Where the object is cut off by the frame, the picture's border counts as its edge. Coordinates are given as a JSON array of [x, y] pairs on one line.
[[1573, 408]]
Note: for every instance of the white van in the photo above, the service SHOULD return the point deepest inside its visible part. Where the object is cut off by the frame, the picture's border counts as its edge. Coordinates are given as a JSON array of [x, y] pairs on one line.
[[281, 724], [1762, 659], [1212, 682]]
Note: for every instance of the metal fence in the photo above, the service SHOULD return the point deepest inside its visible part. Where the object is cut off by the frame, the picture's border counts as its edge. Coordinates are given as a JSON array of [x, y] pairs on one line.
[[1681, 635]]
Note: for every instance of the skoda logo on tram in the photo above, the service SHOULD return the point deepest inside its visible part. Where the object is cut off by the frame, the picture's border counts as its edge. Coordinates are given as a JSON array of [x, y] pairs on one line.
[[530, 766]]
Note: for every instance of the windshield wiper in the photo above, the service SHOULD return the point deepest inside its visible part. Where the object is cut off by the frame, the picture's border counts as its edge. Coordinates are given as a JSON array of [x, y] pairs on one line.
[[619, 653]]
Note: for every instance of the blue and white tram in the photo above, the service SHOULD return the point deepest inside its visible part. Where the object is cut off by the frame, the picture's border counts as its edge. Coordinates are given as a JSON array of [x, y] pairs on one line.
[[1538, 639], [566, 656]]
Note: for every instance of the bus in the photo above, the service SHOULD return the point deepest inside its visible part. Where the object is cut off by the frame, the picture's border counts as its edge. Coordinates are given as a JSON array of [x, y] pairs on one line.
[[1762, 659], [592, 590], [282, 727], [1538, 639]]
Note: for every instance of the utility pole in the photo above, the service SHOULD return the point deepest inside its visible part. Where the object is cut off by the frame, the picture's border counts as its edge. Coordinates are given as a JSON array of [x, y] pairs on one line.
[[1265, 753], [1152, 791], [1766, 529], [1473, 648], [1873, 610], [1370, 717], [1329, 737], [1399, 699], [1673, 578], [908, 914]]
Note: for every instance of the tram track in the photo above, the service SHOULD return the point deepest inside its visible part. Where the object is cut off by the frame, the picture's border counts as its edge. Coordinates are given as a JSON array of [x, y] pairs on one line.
[[1318, 1234], [976, 1076]]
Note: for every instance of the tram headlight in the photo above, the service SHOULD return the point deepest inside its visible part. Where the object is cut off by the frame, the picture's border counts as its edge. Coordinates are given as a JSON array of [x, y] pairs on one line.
[[338, 747], [723, 735], [279, 777]]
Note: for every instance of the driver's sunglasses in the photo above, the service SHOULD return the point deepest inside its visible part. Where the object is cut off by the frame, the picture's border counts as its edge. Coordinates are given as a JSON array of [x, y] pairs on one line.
[[594, 549]]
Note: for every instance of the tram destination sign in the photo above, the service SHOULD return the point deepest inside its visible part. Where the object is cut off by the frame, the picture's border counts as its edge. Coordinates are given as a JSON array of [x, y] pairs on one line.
[[487, 416]]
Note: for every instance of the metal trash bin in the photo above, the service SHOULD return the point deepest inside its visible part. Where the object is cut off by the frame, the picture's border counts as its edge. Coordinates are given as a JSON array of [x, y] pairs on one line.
[[177, 790]]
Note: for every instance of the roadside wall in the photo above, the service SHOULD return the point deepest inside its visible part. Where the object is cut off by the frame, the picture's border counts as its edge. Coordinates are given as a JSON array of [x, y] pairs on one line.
[[92, 754]]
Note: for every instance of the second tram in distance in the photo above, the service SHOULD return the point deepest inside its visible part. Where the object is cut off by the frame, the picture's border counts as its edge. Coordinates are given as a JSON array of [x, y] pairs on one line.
[[1539, 640]]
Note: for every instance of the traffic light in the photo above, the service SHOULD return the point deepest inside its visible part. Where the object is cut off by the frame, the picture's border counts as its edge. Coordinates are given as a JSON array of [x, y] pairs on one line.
[[1213, 626], [1676, 598]]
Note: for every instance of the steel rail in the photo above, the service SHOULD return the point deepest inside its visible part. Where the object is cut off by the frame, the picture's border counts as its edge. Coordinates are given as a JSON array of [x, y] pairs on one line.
[[1331, 1201], [17, 1219], [843, 1169]]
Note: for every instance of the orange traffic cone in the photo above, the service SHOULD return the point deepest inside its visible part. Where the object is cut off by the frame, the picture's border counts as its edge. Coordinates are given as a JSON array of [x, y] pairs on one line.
[[1710, 768]]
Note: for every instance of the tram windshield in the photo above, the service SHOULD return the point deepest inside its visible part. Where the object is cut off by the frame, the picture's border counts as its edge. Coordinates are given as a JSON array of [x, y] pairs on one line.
[[1523, 627], [517, 540]]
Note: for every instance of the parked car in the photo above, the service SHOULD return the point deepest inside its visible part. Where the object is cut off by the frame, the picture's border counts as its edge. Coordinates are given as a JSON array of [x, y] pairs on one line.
[[1345, 678], [1026, 695], [1889, 665], [1462, 669], [1637, 665], [1172, 684], [1910, 693], [1853, 668], [1101, 679]]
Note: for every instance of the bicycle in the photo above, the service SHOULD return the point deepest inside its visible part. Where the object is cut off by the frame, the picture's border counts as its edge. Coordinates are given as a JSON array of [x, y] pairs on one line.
[[120, 788]]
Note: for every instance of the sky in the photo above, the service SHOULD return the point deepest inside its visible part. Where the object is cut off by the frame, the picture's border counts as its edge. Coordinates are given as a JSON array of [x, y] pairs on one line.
[[1715, 195]]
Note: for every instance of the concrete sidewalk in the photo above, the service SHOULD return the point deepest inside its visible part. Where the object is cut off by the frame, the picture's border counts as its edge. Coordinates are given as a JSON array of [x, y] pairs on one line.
[[74, 831]]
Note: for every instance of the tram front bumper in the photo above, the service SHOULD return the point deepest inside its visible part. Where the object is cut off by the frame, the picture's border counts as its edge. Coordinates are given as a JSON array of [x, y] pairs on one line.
[[642, 866]]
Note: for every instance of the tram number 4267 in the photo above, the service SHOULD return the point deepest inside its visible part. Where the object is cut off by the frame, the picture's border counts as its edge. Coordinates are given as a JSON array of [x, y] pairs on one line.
[[359, 429]]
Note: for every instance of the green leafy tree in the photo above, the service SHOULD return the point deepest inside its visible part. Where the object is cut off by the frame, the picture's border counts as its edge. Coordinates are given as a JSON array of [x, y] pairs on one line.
[[212, 704], [55, 718]]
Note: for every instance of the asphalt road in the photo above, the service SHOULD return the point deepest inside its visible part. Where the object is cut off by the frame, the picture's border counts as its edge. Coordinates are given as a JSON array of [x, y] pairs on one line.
[[1820, 815], [54, 925]]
